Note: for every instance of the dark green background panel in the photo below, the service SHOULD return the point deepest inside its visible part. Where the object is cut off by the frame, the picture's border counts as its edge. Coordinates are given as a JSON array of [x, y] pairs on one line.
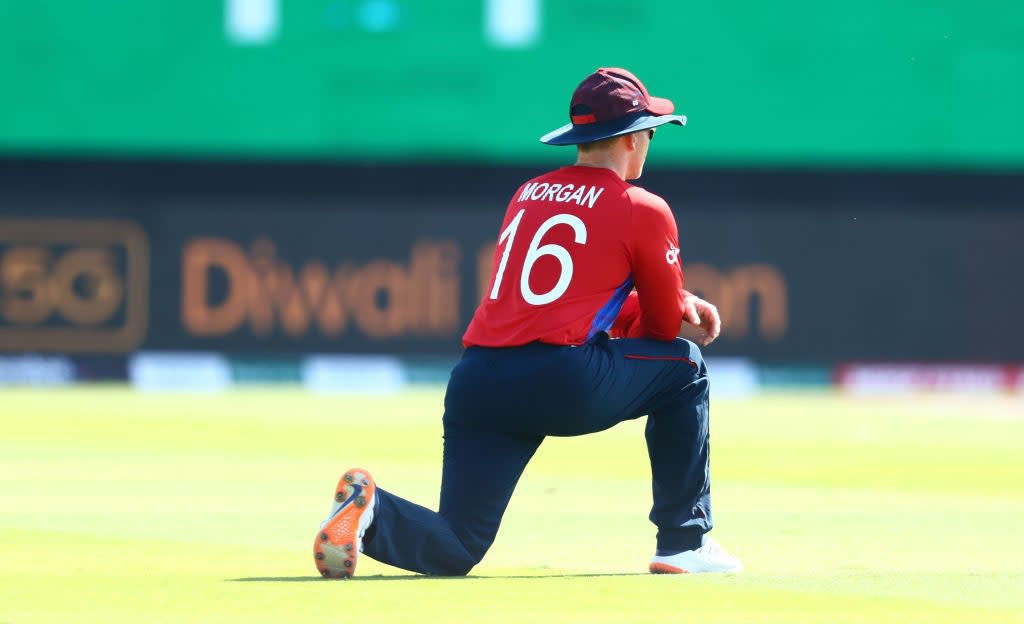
[[877, 83]]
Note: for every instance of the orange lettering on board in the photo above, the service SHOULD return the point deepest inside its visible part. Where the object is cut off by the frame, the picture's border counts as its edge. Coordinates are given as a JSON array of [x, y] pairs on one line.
[[382, 299]]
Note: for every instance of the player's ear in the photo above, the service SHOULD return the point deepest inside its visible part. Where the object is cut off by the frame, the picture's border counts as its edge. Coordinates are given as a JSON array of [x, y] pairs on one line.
[[629, 141]]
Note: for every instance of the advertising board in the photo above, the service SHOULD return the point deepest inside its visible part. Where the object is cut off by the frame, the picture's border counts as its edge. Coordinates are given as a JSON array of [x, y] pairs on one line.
[[396, 263]]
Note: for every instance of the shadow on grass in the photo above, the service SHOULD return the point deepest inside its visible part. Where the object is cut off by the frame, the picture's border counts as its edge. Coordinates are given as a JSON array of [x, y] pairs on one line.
[[420, 577]]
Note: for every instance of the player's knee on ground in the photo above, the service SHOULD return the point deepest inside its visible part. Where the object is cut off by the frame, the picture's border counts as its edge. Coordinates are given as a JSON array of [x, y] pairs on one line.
[[455, 567], [456, 570]]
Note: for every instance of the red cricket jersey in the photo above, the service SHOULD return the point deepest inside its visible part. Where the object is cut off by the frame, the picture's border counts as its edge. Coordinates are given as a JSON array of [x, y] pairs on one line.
[[581, 251]]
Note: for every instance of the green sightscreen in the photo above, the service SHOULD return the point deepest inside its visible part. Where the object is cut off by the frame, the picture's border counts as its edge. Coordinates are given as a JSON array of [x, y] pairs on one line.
[[793, 82]]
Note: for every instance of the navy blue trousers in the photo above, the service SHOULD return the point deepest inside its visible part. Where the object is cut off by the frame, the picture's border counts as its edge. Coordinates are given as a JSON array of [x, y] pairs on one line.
[[499, 406]]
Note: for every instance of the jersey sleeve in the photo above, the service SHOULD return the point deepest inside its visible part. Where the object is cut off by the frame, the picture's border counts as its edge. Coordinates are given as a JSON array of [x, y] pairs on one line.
[[656, 310]]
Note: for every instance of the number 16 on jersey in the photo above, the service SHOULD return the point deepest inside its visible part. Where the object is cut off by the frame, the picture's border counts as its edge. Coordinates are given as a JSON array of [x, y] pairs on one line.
[[535, 252]]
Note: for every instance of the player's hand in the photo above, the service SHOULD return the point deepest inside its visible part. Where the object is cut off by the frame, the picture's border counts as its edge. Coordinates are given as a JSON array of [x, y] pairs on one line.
[[698, 312]]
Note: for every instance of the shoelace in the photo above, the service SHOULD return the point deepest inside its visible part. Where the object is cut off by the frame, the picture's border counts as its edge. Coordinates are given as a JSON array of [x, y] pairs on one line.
[[711, 547]]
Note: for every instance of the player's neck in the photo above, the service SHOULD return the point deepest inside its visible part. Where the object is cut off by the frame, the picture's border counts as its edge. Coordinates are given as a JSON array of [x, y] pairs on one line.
[[604, 160]]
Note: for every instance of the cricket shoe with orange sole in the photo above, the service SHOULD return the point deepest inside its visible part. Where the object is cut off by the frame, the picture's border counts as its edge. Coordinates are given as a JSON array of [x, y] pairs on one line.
[[340, 539], [710, 557]]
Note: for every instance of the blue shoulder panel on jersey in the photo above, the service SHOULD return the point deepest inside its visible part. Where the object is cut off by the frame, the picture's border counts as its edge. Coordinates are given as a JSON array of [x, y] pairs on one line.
[[605, 317]]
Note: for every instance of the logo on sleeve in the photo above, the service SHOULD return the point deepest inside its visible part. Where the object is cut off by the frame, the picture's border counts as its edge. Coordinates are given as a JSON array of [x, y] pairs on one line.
[[672, 255]]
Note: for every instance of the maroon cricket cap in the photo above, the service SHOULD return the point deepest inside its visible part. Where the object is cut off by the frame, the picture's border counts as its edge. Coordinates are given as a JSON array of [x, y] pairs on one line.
[[610, 102]]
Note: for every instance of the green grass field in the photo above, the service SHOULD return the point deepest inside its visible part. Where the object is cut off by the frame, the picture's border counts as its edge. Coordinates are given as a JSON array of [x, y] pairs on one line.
[[119, 507]]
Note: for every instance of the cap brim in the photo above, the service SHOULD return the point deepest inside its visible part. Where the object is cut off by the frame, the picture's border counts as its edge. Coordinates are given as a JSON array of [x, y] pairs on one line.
[[570, 134]]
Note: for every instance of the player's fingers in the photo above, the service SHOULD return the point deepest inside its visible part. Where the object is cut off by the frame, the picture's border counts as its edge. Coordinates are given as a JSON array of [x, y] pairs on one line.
[[711, 323], [690, 314], [708, 337], [714, 325]]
